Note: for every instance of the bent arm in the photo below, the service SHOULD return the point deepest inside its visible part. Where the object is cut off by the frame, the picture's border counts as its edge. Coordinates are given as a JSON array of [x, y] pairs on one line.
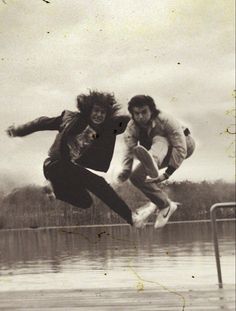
[[176, 137]]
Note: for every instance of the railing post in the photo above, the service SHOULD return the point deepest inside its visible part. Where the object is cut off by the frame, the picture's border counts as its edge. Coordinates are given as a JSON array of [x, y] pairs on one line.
[[216, 245], [215, 237]]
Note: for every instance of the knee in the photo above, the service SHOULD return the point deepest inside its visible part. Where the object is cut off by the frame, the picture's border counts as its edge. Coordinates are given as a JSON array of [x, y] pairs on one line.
[[135, 179], [82, 202], [50, 169], [52, 175], [85, 205]]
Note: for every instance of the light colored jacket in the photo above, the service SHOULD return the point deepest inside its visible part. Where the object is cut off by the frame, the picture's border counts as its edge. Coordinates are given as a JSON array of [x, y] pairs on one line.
[[162, 125]]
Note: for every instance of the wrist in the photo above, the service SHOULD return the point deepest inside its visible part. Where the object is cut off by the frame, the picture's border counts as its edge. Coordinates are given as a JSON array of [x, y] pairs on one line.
[[166, 175], [170, 170]]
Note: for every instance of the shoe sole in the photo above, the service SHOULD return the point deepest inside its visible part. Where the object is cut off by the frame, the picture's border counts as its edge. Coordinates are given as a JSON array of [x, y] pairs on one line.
[[167, 217], [144, 213], [147, 160], [170, 212]]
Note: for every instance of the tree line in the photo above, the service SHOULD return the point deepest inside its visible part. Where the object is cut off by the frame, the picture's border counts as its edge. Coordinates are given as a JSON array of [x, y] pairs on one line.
[[29, 206]]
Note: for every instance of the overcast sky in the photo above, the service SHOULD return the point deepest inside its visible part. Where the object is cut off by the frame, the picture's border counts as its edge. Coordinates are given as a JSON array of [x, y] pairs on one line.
[[179, 52]]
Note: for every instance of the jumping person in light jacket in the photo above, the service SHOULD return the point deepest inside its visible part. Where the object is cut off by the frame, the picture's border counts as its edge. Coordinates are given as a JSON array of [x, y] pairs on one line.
[[158, 141], [85, 139]]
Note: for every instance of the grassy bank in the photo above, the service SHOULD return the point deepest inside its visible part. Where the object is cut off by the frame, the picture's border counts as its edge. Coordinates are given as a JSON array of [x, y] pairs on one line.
[[29, 207]]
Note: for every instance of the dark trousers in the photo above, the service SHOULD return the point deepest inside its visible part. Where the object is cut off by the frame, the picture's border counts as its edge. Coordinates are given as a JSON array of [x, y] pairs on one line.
[[72, 183]]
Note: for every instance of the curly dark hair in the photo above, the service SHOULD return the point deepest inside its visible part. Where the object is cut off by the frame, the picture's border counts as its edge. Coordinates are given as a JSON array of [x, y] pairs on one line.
[[143, 100], [107, 101]]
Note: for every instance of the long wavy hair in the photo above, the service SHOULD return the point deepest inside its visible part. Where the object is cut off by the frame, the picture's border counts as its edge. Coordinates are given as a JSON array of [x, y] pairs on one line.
[[107, 101]]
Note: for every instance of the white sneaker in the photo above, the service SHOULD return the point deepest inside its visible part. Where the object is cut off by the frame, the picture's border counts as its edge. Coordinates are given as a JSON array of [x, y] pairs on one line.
[[164, 215], [141, 214], [147, 160]]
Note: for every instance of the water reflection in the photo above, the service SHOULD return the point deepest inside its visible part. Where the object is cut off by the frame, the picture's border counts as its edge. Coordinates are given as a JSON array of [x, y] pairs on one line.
[[91, 252]]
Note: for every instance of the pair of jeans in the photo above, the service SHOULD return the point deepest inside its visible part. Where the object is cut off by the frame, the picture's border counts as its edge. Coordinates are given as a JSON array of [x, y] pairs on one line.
[[159, 151], [72, 184]]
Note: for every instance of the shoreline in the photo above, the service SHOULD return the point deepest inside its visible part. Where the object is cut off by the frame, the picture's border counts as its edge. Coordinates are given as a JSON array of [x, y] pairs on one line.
[[112, 225]]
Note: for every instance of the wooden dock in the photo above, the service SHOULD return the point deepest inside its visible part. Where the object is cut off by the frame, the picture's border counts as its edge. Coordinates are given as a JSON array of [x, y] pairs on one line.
[[120, 300]]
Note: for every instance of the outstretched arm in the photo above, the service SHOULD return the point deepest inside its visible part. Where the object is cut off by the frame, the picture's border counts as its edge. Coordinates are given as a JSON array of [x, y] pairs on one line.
[[39, 124]]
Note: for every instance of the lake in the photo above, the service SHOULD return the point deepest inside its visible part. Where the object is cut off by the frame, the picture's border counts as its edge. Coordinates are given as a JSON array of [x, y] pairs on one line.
[[181, 255]]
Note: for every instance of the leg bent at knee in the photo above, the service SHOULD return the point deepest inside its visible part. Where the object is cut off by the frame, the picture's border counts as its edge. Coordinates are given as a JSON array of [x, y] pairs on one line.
[[138, 176], [136, 180], [159, 149]]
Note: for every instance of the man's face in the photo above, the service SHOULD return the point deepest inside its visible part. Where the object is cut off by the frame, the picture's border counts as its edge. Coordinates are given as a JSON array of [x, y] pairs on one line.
[[142, 115], [98, 114]]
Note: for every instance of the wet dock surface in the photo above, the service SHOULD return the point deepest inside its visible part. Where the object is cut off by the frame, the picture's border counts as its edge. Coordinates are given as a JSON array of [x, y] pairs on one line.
[[120, 299]]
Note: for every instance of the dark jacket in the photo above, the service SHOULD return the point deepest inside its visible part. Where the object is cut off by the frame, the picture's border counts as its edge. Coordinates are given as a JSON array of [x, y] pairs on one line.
[[97, 156]]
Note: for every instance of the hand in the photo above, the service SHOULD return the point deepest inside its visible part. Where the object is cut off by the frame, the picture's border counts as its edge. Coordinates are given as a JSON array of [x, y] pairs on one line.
[[11, 131], [123, 176], [157, 180]]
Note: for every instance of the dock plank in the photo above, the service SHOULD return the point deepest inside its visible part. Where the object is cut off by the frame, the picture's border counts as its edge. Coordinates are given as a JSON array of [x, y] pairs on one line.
[[150, 299]]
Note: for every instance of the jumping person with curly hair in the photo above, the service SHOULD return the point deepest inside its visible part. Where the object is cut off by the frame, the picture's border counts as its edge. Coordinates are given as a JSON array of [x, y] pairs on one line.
[[85, 140]]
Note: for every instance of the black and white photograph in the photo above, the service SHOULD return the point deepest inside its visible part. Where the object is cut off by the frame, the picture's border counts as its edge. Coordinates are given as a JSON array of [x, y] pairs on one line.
[[117, 167]]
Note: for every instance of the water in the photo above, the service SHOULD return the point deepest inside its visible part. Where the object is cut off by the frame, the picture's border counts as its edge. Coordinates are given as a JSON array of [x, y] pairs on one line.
[[179, 256]]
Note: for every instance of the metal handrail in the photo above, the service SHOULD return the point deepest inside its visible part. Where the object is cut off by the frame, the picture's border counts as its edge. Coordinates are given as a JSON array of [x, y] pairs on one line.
[[215, 237]]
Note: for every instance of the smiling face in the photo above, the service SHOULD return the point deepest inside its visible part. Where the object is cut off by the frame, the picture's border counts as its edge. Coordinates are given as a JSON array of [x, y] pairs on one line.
[[98, 115], [142, 115]]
